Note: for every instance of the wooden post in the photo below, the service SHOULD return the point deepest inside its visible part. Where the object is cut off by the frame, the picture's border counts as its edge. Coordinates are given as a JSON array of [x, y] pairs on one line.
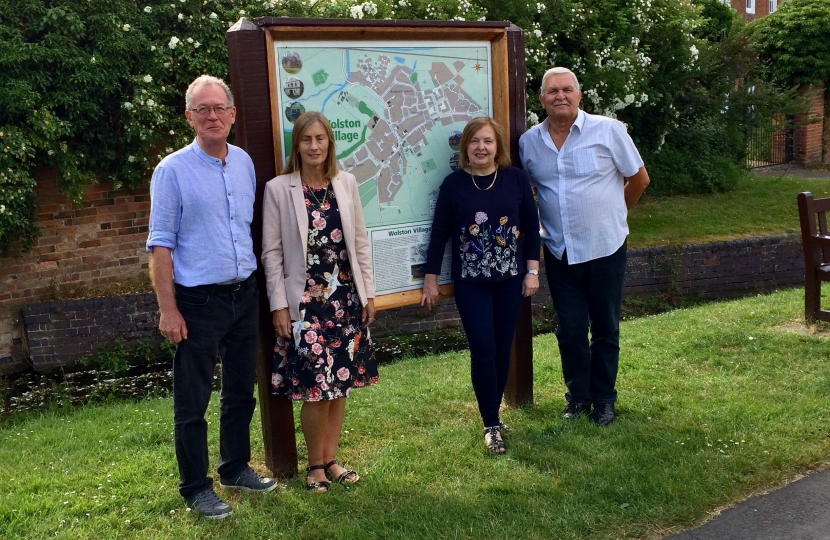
[[248, 63], [519, 390]]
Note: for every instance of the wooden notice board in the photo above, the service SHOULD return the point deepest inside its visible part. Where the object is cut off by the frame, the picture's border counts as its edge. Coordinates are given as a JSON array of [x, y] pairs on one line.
[[397, 93]]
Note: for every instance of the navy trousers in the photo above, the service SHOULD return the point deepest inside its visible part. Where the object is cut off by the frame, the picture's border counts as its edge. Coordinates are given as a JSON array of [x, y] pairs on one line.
[[588, 296], [489, 312], [222, 321]]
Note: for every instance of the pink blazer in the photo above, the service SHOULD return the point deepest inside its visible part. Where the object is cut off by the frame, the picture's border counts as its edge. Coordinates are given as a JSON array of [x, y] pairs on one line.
[[285, 239]]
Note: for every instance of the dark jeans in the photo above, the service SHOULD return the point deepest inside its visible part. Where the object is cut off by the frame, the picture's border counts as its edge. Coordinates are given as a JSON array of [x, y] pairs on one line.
[[221, 321], [489, 312], [588, 296]]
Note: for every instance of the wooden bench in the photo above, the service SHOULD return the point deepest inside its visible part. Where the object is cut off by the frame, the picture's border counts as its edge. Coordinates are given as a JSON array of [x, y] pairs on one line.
[[815, 240]]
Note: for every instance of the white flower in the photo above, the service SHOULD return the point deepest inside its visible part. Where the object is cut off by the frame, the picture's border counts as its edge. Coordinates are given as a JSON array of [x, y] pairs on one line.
[[694, 52], [92, 60], [151, 103], [356, 12], [2, 208], [532, 118], [130, 158], [370, 8], [196, 45], [148, 78], [181, 16], [172, 132], [152, 47], [148, 9], [173, 42], [213, 15], [127, 105], [126, 27], [190, 40], [242, 12], [537, 33]]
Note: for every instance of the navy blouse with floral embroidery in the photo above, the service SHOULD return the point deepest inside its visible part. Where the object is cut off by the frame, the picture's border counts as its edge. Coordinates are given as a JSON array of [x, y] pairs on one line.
[[494, 231]]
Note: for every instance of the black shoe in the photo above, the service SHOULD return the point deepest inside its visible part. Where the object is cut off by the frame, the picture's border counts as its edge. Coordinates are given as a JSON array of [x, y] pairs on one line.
[[208, 503], [574, 409], [603, 414], [248, 480]]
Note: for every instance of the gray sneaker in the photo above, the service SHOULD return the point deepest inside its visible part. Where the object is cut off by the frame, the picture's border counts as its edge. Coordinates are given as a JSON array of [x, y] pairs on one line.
[[248, 480], [208, 503]]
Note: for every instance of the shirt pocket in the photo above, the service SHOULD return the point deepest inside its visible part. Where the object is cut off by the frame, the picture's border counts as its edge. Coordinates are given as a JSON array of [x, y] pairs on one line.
[[585, 162], [246, 208]]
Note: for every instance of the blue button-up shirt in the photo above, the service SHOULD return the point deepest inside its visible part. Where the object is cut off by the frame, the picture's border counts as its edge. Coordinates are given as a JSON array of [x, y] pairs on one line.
[[203, 210], [580, 186]]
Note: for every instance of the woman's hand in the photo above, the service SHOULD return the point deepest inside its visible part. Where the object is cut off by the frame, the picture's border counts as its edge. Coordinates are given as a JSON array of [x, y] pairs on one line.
[[530, 285], [430, 293], [367, 313], [282, 322]]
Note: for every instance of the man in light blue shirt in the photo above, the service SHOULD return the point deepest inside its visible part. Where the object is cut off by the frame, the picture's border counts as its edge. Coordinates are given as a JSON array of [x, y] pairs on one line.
[[201, 265], [587, 174]]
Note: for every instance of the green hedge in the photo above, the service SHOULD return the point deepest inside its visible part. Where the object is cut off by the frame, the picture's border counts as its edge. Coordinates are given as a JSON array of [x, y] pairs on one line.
[[93, 88]]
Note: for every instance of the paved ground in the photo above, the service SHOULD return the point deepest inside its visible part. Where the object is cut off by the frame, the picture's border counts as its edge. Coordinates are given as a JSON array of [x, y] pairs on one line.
[[798, 511]]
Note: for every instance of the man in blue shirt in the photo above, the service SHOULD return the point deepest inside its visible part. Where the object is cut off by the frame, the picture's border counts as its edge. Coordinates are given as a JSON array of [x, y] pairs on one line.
[[201, 265], [587, 174]]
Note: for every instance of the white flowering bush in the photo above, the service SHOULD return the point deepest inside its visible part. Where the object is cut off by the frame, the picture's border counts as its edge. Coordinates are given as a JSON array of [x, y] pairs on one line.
[[93, 89]]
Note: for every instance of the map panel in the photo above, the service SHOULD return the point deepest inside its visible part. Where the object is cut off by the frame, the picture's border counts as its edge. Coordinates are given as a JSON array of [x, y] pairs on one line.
[[397, 111]]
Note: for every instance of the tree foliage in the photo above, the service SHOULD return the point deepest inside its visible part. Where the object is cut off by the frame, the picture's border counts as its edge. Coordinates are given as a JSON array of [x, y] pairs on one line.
[[793, 42], [93, 88]]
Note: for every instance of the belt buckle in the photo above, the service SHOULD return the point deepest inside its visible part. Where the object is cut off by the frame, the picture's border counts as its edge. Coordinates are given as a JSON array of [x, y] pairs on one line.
[[237, 286]]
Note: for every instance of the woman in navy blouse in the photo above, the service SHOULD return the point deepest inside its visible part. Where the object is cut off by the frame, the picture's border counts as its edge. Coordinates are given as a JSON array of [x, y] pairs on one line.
[[488, 210]]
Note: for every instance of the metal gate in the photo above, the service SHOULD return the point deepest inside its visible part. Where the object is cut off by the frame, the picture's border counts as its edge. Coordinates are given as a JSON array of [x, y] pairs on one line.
[[768, 146]]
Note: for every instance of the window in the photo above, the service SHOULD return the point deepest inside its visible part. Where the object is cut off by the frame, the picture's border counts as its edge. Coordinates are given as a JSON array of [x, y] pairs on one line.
[[773, 6], [750, 6]]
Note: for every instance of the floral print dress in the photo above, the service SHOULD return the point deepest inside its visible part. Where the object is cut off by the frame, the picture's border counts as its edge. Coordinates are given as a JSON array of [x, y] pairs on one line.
[[329, 352]]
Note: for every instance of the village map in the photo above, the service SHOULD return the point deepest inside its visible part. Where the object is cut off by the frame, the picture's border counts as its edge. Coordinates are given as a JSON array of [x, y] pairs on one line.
[[397, 112]]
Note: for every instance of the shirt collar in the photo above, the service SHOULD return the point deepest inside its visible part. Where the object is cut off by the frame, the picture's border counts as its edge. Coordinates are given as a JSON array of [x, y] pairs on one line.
[[207, 157], [578, 123]]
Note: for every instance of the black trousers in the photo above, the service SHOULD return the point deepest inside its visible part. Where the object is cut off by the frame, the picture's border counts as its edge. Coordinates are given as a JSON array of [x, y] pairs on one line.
[[222, 321], [588, 296], [489, 312]]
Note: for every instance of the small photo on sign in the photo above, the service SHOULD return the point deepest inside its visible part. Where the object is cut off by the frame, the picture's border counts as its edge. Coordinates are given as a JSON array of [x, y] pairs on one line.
[[291, 62], [455, 140], [293, 87], [454, 165], [293, 111], [417, 271]]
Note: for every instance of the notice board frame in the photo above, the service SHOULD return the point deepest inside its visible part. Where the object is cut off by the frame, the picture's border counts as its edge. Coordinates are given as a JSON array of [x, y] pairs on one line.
[[252, 76]]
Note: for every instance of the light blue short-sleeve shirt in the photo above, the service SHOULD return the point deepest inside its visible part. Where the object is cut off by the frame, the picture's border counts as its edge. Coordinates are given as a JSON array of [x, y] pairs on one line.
[[580, 186], [202, 210]]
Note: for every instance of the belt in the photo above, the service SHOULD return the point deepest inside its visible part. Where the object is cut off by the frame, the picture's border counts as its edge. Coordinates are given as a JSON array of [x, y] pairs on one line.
[[227, 288]]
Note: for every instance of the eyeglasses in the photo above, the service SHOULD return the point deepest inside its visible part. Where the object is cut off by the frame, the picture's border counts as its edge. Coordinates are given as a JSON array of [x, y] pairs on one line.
[[204, 110]]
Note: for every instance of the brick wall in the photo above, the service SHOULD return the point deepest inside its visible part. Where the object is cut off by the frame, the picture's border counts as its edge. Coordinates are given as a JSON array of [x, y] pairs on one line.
[[808, 142], [100, 241], [59, 332]]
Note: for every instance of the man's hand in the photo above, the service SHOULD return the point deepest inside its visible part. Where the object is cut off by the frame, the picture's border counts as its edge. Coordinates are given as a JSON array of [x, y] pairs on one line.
[[172, 326], [282, 322], [367, 313], [430, 293]]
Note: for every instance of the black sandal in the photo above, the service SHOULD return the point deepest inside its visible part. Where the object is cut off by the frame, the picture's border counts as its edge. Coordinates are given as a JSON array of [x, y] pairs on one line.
[[495, 445], [345, 475], [504, 428], [319, 487]]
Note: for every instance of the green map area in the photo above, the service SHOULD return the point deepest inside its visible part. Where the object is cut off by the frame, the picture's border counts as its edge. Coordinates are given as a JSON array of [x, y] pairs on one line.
[[394, 111]]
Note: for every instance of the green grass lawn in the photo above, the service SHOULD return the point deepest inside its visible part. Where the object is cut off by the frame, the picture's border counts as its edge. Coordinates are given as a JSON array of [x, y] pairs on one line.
[[759, 206], [716, 402]]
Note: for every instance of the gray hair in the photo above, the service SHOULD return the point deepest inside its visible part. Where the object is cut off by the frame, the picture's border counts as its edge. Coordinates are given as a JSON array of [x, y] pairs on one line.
[[204, 80], [557, 70]]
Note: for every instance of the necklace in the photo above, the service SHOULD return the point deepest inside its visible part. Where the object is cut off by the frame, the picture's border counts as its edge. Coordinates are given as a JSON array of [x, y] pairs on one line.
[[310, 191], [473, 178]]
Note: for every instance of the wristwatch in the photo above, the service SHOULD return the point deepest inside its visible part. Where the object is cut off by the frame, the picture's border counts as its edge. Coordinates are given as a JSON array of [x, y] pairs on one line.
[[533, 271]]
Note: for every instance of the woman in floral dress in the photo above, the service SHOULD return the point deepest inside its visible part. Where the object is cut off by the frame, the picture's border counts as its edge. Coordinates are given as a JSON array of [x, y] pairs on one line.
[[488, 210], [316, 258]]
